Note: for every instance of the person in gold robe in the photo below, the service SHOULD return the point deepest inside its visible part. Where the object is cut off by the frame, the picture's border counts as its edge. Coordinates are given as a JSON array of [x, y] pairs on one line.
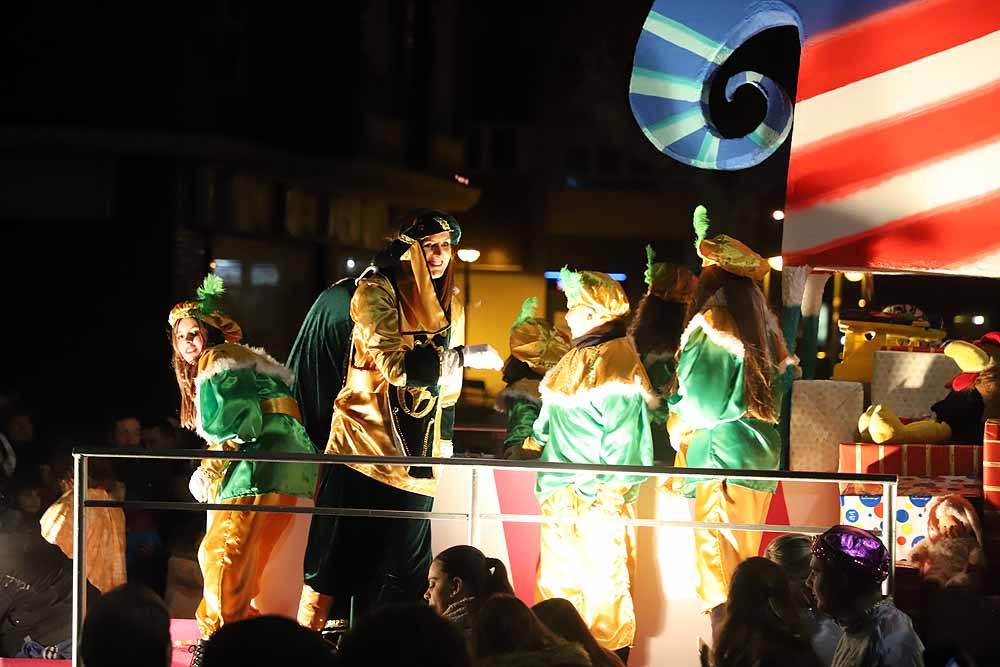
[[404, 376], [104, 526], [595, 409]]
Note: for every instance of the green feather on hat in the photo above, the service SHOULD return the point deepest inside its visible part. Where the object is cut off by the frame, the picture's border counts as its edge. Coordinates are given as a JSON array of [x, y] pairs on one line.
[[209, 293], [650, 260], [700, 220], [527, 312], [572, 283]]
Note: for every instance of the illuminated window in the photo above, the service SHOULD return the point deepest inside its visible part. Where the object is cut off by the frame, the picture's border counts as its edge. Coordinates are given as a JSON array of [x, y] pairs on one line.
[[264, 275], [230, 270]]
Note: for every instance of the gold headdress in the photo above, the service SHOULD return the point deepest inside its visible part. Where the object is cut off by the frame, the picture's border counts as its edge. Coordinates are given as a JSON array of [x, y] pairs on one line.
[[206, 309]]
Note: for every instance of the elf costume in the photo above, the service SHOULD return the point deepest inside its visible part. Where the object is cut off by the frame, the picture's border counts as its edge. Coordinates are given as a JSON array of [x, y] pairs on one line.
[[536, 345], [403, 378], [244, 403], [710, 421], [595, 409]]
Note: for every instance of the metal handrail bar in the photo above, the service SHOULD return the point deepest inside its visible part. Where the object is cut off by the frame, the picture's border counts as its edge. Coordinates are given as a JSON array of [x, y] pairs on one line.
[[658, 523], [453, 516], [502, 464], [290, 509]]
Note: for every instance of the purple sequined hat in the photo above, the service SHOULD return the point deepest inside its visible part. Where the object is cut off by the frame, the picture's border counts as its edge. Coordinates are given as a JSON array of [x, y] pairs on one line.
[[853, 551]]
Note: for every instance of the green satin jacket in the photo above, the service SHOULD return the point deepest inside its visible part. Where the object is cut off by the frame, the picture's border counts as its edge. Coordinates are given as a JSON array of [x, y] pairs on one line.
[[244, 403], [595, 409], [710, 402]]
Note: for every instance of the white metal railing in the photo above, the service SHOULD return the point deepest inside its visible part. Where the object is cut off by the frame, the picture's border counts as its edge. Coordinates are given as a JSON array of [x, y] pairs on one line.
[[474, 517]]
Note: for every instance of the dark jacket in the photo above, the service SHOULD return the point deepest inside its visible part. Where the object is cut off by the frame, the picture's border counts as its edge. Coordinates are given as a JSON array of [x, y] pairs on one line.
[[569, 655], [36, 586]]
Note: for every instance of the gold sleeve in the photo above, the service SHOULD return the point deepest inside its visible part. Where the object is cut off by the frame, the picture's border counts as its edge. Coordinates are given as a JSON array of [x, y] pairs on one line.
[[376, 322]]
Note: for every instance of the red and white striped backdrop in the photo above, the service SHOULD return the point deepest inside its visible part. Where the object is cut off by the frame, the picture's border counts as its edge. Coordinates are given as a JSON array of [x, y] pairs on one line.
[[895, 162]]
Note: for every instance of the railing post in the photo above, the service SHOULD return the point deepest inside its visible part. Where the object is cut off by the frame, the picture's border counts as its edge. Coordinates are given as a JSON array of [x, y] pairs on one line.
[[474, 506], [889, 532], [80, 483]]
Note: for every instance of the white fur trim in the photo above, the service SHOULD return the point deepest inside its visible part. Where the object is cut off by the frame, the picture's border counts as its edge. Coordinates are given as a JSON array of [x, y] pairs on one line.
[[812, 297], [793, 284], [723, 339], [261, 363], [790, 360], [635, 388]]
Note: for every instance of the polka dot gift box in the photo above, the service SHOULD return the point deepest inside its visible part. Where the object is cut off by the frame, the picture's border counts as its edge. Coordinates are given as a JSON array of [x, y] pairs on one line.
[[913, 496]]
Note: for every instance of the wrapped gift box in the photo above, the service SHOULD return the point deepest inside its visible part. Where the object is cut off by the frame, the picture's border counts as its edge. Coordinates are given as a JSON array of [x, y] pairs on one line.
[[909, 383], [910, 459], [824, 414], [860, 509], [991, 497]]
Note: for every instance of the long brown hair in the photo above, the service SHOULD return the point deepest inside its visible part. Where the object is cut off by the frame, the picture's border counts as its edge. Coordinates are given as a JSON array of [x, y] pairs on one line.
[[746, 302], [762, 623], [444, 286], [507, 625], [186, 373], [657, 325], [561, 617]]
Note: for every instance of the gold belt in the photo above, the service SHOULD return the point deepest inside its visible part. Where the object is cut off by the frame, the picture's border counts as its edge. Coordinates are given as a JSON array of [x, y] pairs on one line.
[[282, 405]]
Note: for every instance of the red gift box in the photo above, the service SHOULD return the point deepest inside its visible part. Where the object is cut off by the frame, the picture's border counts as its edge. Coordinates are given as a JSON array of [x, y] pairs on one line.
[[991, 497], [991, 476], [911, 460]]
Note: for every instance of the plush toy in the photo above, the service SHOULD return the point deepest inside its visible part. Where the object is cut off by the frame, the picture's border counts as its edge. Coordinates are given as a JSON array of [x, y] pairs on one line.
[[975, 392], [880, 425], [952, 554], [980, 365]]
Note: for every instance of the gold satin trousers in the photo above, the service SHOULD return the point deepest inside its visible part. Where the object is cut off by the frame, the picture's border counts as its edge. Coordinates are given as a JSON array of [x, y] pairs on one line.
[[591, 564], [719, 551], [233, 555]]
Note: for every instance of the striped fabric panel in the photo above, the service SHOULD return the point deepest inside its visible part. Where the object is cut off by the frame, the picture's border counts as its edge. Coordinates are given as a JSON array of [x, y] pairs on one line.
[[896, 143]]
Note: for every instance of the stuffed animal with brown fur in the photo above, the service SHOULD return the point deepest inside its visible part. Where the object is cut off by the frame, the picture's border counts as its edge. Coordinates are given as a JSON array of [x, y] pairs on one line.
[[952, 554]]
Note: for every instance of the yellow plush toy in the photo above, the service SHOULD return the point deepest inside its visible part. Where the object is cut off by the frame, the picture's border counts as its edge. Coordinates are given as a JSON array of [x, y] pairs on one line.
[[880, 425]]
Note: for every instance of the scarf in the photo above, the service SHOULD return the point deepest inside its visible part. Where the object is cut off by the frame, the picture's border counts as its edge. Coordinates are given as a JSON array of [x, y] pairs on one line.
[[462, 613], [601, 334]]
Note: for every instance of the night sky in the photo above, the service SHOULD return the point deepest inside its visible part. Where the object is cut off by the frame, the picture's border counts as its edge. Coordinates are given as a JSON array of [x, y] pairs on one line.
[[302, 79]]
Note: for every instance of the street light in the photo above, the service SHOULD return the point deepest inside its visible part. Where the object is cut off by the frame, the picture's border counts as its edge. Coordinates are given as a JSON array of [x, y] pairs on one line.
[[468, 257]]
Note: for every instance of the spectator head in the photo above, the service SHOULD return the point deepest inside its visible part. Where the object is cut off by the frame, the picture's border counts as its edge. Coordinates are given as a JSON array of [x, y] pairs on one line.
[[126, 627], [847, 564], [16, 422], [759, 609], [159, 434], [793, 552], [266, 641], [404, 635], [126, 432], [561, 617], [506, 625], [461, 572], [25, 491]]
